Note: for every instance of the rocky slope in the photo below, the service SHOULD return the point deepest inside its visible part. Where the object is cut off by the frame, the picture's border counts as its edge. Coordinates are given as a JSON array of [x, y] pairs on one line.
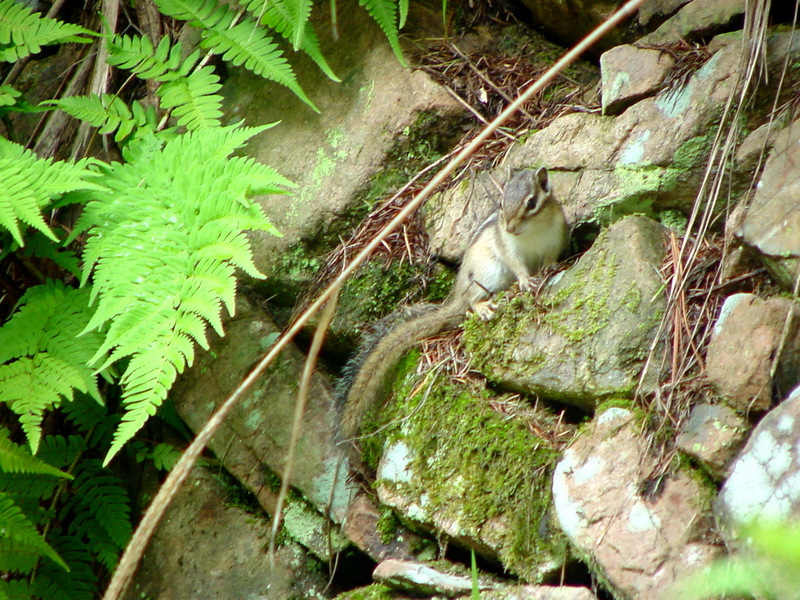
[[597, 441]]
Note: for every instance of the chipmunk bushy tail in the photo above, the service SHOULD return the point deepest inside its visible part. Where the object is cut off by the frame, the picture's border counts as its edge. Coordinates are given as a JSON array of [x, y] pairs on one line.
[[370, 377]]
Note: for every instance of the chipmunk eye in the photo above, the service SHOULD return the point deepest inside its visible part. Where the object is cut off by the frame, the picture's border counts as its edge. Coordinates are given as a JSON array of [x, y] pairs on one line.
[[531, 203]]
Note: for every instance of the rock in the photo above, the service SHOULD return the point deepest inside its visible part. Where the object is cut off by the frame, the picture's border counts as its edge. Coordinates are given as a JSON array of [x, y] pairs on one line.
[[650, 158], [639, 548], [452, 464], [744, 343], [208, 547], [772, 222], [658, 8], [696, 19], [630, 74], [568, 23], [713, 435], [252, 442], [419, 579], [763, 484], [364, 528], [587, 336], [333, 156], [539, 592]]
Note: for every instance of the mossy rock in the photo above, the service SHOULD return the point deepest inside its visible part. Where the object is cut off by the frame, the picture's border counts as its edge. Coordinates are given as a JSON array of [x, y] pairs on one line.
[[453, 464], [586, 338]]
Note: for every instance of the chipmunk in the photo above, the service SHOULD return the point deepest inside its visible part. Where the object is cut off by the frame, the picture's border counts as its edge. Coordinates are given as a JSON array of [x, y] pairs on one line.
[[528, 233]]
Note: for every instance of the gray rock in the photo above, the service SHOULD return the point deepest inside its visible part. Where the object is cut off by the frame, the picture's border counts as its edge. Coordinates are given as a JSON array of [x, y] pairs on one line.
[[764, 484], [539, 592], [422, 580], [570, 22], [696, 19], [587, 336], [639, 548], [772, 222], [252, 442], [743, 346], [652, 157], [333, 155], [479, 479], [630, 74], [207, 547], [713, 435], [363, 527], [654, 8]]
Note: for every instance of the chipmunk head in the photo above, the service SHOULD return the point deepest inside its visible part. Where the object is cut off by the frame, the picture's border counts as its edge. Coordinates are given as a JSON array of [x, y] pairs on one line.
[[525, 194]]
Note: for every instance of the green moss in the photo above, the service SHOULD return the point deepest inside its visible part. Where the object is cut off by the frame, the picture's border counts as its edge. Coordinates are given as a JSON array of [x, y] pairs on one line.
[[387, 525], [473, 465], [376, 591], [577, 310], [704, 479]]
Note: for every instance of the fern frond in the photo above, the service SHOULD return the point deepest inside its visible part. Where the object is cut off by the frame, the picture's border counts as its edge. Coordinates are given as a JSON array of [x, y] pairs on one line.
[[384, 12], [24, 32], [241, 44], [20, 544], [30, 183], [15, 589], [79, 583], [43, 358], [8, 95], [109, 113], [16, 459], [165, 239], [402, 6], [137, 55], [99, 511], [290, 19], [193, 99], [29, 489]]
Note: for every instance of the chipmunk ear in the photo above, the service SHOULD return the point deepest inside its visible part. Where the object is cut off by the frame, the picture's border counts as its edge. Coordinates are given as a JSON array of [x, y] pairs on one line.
[[543, 179]]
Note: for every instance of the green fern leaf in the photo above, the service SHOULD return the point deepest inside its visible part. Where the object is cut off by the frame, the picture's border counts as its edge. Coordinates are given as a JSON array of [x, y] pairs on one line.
[[403, 9], [80, 583], [285, 17], [384, 12], [16, 459], [24, 32], [194, 99], [15, 589], [241, 44], [99, 512], [165, 240], [42, 359], [38, 245], [108, 113], [30, 183], [20, 543], [137, 54], [8, 95]]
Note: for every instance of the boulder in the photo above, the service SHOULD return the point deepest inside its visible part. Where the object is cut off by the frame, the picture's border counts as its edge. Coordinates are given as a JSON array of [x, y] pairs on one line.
[[587, 336], [696, 19], [713, 436], [378, 538], [772, 222], [419, 579], [763, 484], [630, 74], [638, 547], [209, 547], [743, 347], [252, 442], [335, 154], [450, 463]]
